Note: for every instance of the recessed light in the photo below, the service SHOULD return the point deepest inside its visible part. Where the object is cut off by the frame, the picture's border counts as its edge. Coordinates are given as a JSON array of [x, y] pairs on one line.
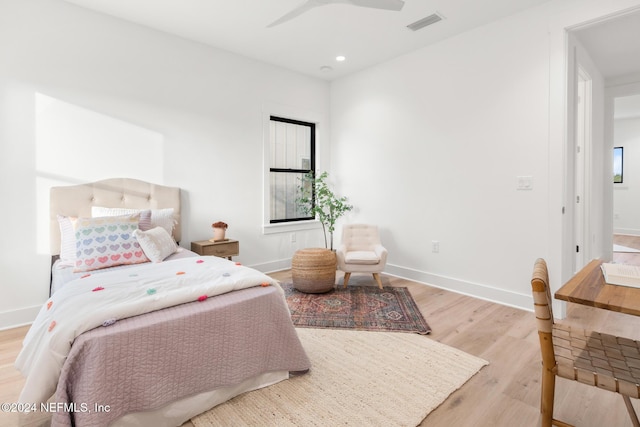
[[326, 69], [340, 58]]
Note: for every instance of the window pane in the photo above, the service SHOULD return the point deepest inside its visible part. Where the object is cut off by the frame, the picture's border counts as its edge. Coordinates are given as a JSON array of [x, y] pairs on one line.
[[290, 146], [617, 165], [284, 193]]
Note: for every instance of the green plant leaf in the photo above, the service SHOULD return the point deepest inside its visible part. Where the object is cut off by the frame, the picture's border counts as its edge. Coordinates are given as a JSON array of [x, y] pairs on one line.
[[328, 207]]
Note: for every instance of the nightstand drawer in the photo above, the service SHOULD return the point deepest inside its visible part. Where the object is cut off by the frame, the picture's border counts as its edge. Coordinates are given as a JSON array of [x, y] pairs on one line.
[[225, 249]]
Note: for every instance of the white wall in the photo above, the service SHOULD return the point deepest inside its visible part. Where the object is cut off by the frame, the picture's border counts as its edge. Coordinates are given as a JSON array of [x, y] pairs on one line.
[[429, 146], [626, 196], [203, 109]]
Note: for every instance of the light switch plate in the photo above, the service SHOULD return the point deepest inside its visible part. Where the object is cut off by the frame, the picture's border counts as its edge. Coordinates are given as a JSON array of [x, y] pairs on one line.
[[524, 183]]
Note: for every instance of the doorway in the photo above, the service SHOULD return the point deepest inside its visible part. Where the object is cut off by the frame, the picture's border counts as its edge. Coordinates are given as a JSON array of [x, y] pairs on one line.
[[626, 188], [604, 64]]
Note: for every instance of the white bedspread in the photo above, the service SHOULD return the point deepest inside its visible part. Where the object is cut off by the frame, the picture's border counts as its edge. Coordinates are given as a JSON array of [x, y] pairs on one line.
[[101, 299]]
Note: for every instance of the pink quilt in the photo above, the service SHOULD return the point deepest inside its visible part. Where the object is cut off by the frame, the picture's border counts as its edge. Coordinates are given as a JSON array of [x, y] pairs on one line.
[[145, 362]]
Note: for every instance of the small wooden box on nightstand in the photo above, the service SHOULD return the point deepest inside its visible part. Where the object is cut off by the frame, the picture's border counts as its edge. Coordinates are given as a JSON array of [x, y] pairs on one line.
[[224, 249]]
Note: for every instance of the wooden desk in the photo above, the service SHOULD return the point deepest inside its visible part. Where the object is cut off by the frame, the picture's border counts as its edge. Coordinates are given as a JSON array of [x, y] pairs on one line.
[[587, 287]]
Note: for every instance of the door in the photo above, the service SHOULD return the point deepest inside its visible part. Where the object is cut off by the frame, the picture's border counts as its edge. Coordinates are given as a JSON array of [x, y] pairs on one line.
[[582, 145]]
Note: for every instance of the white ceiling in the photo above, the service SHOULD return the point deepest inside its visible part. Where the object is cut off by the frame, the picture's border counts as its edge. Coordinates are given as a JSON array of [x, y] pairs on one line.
[[614, 46], [312, 40], [365, 36]]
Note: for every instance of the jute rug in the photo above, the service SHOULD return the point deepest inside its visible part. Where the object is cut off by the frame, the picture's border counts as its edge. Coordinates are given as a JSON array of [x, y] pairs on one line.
[[365, 308], [357, 378]]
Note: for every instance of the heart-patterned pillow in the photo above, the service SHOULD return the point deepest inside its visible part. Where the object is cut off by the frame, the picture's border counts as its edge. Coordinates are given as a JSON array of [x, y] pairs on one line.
[[92, 235]]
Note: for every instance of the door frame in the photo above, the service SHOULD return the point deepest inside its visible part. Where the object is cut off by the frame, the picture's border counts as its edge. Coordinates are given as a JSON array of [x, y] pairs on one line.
[[582, 149]]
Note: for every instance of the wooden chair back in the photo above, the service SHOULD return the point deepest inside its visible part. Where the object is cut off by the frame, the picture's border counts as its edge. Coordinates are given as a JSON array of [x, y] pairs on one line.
[[544, 311], [596, 359]]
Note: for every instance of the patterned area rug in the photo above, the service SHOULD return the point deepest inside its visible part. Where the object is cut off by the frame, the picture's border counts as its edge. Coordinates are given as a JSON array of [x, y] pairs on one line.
[[364, 308]]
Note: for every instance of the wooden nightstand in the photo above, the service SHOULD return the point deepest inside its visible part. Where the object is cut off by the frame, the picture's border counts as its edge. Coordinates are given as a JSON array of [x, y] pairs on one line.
[[224, 249]]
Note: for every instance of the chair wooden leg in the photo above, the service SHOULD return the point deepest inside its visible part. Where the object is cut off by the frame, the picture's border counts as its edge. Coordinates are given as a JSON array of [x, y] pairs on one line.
[[546, 401], [632, 412], [377, 277], [346, 279]]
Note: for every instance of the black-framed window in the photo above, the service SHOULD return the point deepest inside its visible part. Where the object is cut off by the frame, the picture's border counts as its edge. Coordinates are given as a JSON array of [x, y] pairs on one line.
[[618, 164], [292, 144]]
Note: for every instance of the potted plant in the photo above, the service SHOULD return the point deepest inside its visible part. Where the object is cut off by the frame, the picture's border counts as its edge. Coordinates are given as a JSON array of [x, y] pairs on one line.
[[219, 230], [327, 207]]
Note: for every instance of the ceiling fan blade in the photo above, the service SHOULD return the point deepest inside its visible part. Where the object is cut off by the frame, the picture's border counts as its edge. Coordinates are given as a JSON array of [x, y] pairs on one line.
[[379, 4], [310, 4]]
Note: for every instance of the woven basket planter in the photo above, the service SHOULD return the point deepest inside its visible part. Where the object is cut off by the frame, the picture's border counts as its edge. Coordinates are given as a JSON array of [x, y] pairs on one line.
[[314, 270]]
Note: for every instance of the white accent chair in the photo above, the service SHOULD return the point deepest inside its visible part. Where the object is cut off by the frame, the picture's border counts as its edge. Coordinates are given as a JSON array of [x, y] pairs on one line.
[[361, 252]]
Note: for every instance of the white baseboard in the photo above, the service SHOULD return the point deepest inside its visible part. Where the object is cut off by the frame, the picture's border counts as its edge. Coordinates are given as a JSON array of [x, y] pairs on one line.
[[476, 290], [273, 266], [25, 316], [627, 231], [15, 318]]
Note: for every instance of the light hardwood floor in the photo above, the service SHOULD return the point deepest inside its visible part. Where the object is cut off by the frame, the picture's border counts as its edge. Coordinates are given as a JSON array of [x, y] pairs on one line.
[[504, 393], [630, 242]]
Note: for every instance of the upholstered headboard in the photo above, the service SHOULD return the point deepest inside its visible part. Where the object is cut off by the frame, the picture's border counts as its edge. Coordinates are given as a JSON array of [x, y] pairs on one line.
[[77, 200]]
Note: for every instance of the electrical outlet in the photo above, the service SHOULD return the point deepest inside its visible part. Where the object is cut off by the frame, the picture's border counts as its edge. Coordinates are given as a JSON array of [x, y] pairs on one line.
[[293, 237], [435, 246]]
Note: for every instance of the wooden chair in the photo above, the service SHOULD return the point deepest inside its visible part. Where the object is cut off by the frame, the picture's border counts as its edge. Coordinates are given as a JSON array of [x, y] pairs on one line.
[[604, 361]]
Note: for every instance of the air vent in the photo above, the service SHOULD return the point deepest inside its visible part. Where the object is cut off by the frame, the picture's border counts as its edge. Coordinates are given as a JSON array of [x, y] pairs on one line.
[[431, 19]]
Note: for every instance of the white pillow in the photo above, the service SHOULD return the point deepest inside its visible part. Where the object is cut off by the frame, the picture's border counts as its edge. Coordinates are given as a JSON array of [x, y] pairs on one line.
[[67, 240], [159, 217], [156, 243]]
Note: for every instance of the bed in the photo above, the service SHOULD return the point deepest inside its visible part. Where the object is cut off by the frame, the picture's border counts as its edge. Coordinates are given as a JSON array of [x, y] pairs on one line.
[[149, 343]]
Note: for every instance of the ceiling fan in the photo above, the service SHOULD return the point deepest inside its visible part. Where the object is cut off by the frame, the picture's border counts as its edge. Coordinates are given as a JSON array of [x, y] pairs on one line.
[[395, 5]]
